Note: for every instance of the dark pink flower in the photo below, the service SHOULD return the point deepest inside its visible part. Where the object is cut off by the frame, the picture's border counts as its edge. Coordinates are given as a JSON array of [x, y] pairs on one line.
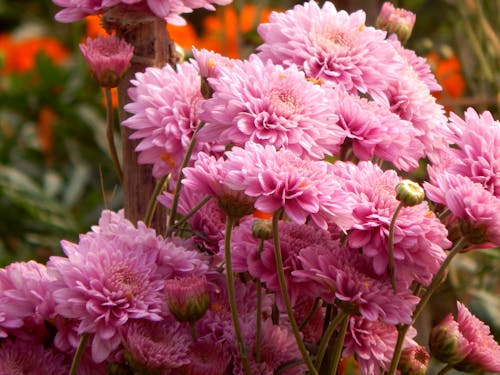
[[267, 104], [108, 59], [207, 356], [164, 111]]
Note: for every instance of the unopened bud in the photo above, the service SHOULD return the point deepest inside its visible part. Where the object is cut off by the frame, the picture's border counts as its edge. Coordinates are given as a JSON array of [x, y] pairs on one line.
[[262, 229], [396, 21], [187, 298], [414, 361], [409, 193], [447, 343]]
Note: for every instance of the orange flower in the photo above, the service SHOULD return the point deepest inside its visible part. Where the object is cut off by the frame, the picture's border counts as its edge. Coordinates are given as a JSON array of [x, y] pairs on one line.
[[45, 133], [19, 56], [93, 27], [448, 72]]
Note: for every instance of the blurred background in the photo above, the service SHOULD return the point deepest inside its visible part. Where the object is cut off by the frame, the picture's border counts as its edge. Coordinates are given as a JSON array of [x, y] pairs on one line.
[[55, 171]]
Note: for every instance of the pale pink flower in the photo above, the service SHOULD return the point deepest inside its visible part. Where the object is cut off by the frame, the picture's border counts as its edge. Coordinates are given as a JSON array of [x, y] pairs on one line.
[[419, 237], [331, 46], [468, 202], [108, 59], [164, 111], [267, 104], [169, 10], [397, 21], [281, 180]]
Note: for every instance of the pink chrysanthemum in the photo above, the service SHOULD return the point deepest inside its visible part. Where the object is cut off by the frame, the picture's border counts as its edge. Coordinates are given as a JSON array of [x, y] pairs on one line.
[[476, 150], [293, 238], [156, 347], [469, 202], [346, 277], [373, 130], [107, 279], [165, 114], [207, 356], [329, 45], [484, 355], [210, 63], [169, 10], [281, 180], [372, 343], [108, 59], [267, 104], [25, 294], [419, 237], [18, 357], [396, 21]]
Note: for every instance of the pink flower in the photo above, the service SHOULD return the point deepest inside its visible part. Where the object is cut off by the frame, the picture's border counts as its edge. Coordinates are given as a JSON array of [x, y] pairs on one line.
[[169, 10], [155, 347], [329, 45], [280, 179], [107, 279], [108, 59], [476, 151], [468, 202], [397, 21], [25, 295], [419, 237], [165, 114], [269, 105], [25, 357], [373, 130], [187, 297], [346, 278], [207, 356]]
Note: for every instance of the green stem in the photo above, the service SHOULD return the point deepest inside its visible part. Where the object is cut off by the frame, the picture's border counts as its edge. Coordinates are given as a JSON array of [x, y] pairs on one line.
[[286, 296], [392, 266], [310, 314], [445, 369], [259, 309], [192, 328], [186, 217], [436, 281], [325, 339], [338, 346], [79, 353], [110, 134], [153, 202], [232, 295], [178, 185]]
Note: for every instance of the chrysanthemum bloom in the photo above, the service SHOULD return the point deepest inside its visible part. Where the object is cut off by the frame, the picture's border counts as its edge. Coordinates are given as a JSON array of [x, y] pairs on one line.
[[269, 105], [25, 294], [473, 208], [207, 223], [207, 356], [156, 347], [164, 111], [485, 351], [419, 237], [281, 180], [293, 238], [108, 59], [18, 357], [187, 297], [108, 279], [414, 360], [476, 150], [373, 130], [329, 45], [346, 278], [372, 343], [397, 21], [209, 65], [169, 10]]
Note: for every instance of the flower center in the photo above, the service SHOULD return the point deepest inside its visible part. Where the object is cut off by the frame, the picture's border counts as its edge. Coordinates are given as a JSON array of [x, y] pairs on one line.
[[126, 281], [283, 102]]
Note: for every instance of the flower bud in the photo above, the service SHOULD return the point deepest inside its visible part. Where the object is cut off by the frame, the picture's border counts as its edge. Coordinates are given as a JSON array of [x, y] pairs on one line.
[[396, 21], [108, 59], [262, 229], [187, 298], [409, 193], [447, 343], [414, 361]]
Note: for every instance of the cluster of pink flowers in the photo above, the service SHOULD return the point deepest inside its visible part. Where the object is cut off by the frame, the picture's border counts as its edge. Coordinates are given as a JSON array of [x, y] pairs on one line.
[[315, 131]]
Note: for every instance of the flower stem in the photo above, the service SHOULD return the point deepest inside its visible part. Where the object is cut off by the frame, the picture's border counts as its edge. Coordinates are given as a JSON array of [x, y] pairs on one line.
[[325, 339], [110, 134], [153, 202], [178, 185], [436, 281], [445, 369], [286, 297], [310, 314], [338, 346], [392, 266], [232, 295], [259, 310], [79, 353], [186, 217]]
